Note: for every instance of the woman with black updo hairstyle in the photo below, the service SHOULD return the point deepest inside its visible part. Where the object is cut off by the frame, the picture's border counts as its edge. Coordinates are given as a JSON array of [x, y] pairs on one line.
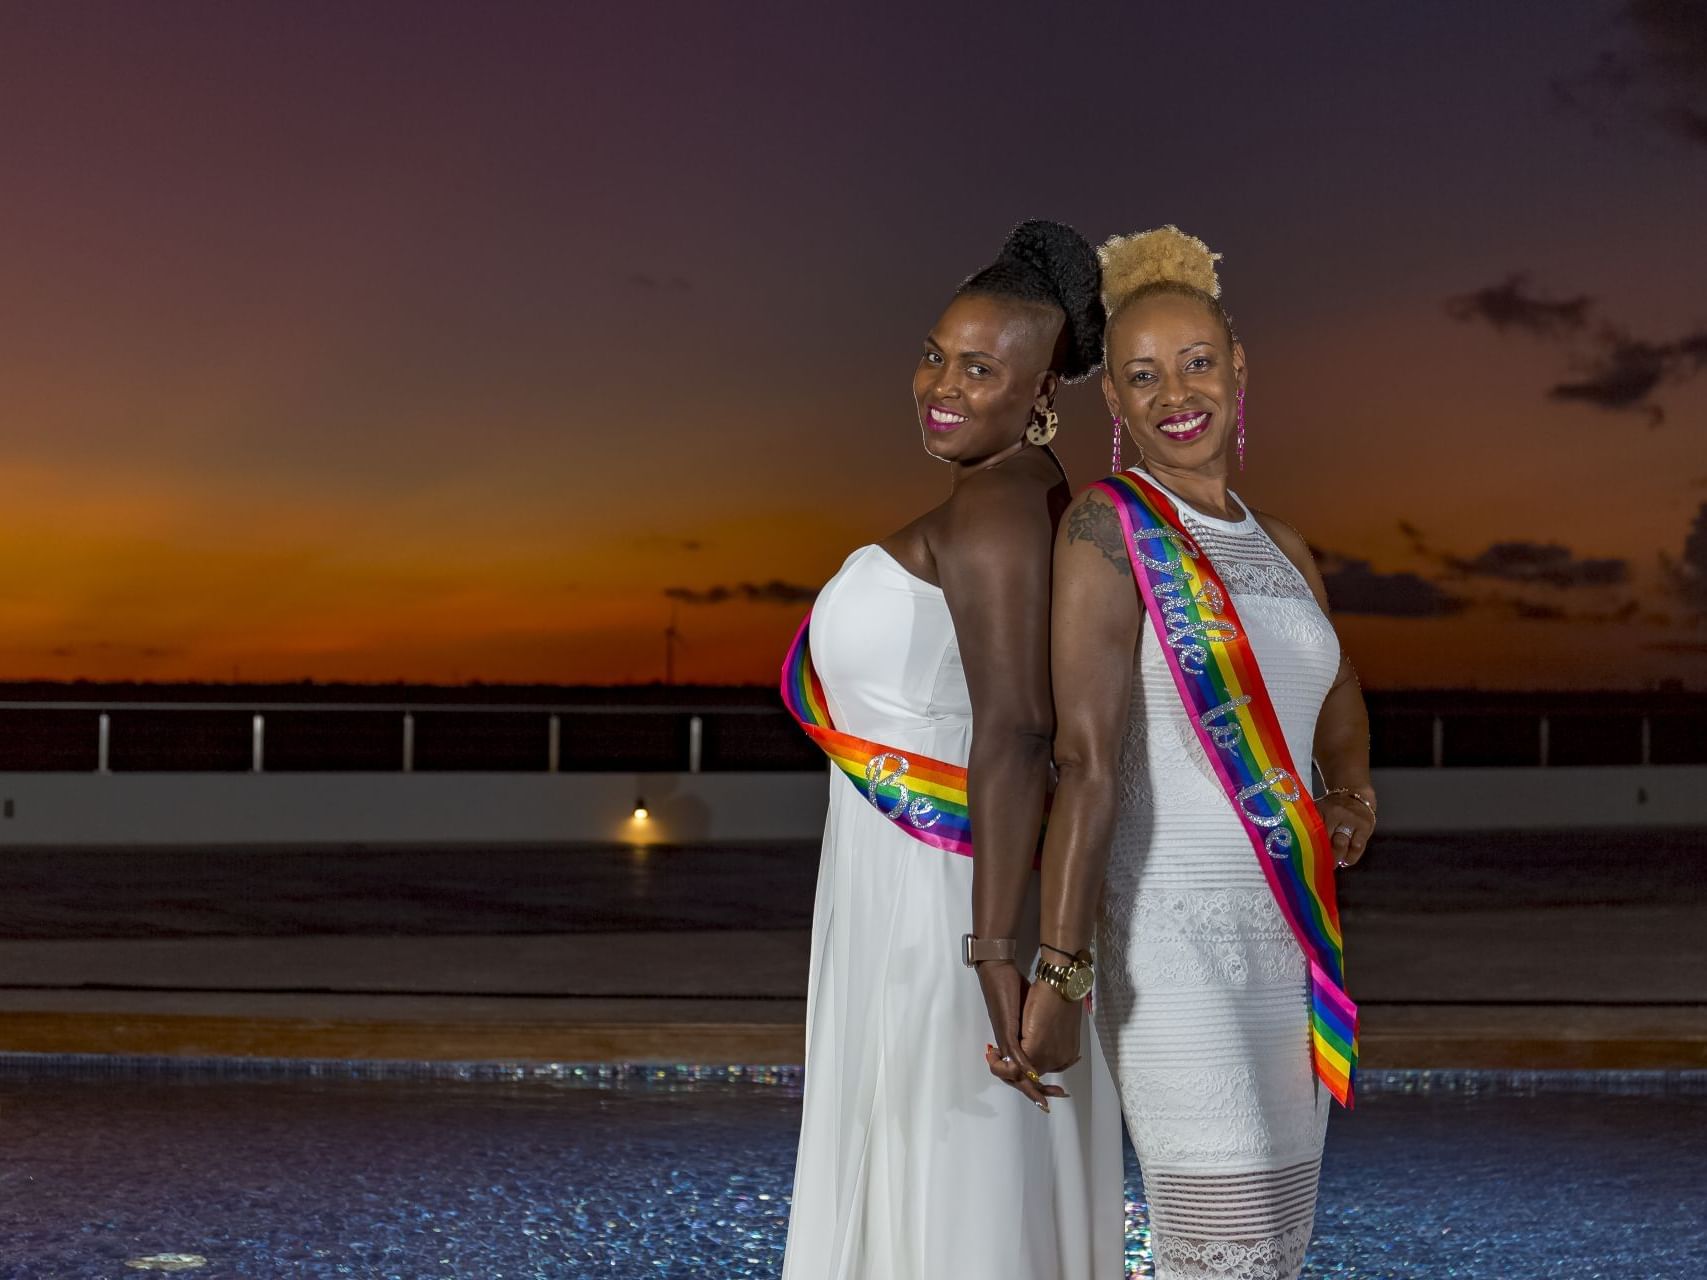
[[929, 1147]]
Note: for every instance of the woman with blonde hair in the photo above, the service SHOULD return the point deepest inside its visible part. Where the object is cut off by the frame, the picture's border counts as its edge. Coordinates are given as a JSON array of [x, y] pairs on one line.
[[1196, 674]]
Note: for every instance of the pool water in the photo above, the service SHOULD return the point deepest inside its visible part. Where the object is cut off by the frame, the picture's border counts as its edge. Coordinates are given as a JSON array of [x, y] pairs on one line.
[[110, 1168]]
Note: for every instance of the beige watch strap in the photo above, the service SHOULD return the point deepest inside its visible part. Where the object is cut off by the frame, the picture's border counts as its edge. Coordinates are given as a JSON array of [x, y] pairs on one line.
[[974, 951]]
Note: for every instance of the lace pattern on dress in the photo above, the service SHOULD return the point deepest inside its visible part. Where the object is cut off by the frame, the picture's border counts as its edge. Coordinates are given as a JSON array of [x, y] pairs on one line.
[[1181, 938], [1249, 562], [1204, 1116], [1249, 1226], [1202, 991]]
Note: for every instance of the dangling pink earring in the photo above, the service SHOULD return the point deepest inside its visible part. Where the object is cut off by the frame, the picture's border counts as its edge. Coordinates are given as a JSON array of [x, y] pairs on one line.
[[1119, 430], [1241, 428]]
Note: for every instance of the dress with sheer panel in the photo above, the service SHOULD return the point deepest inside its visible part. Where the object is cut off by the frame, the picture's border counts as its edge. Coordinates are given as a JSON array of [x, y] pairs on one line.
[[1202, 994]]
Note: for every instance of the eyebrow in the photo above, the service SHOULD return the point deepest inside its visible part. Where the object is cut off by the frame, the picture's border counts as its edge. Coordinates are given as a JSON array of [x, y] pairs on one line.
[[968, 355], [1190, 346]]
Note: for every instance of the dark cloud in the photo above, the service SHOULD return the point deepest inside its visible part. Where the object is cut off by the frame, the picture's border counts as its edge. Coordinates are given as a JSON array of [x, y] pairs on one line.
[[1688, 574], [1674, 39], [1695, 545], [1623, 378], [1689, 122], [1540, 563], [1355, 586], [1661, 73], [107, 648], [1621, 373], [1534, 611], [773, 592], [1510, 305]]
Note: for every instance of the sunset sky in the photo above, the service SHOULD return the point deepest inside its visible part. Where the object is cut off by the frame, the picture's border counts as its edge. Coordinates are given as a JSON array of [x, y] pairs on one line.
[[452, 341]]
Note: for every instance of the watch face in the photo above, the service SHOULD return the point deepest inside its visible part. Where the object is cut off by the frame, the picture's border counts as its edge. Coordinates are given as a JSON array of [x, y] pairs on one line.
[[1078, 984]]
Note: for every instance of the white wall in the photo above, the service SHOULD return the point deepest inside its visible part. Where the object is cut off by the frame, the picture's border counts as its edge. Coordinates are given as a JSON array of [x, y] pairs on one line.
[[296, 808]]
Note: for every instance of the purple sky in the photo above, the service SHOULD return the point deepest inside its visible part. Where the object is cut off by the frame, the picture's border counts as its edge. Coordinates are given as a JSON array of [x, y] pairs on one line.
[[440, 342]]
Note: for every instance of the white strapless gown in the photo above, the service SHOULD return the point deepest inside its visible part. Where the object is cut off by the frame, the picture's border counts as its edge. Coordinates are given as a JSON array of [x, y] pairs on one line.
[[915, 1163], [1202, 996]]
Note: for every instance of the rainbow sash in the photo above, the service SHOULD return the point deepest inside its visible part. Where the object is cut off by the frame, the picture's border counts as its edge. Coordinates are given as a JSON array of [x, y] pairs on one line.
[[1228, 705], [921, 797]]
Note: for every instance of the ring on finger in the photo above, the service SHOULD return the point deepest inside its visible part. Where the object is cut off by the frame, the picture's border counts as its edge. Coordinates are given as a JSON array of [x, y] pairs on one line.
[[1034, 1077], [1344, 830]]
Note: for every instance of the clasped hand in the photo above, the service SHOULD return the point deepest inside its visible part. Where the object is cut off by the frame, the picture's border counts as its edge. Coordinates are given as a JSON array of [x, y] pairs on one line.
[[1036, 1031], [1006, 996]]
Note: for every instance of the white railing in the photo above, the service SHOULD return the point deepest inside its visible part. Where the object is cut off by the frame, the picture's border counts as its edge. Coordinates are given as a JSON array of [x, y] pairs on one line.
[[554, 713], [406, 711]]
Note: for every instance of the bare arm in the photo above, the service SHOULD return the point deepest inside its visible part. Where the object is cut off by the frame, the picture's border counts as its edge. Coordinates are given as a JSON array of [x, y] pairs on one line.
[[1342, 728], [1096, 620], [995, 572], [994, 563]]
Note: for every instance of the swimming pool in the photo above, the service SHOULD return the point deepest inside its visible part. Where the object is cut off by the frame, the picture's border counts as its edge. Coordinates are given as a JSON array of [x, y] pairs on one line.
[[256, 1169]]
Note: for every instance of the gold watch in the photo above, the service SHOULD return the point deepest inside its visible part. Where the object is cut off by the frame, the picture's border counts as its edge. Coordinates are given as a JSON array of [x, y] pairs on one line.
[[1072, 982]]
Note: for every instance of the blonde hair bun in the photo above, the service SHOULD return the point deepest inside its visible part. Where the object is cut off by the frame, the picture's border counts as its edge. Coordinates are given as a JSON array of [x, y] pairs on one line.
[[1161, 257]]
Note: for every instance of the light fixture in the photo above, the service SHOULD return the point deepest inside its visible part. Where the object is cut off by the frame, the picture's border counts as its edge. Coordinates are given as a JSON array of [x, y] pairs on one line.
[[641, 813]]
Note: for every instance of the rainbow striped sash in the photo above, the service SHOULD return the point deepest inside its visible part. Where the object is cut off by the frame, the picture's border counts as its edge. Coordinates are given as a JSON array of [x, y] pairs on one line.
[[923, 798], [1229, 707]]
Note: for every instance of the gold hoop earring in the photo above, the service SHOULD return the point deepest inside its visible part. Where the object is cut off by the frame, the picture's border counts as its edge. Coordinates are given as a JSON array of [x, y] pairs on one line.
[[1042, 428]]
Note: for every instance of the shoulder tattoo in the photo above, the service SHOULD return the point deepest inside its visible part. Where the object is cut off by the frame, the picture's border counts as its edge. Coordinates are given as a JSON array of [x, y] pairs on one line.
[[1096, 523]]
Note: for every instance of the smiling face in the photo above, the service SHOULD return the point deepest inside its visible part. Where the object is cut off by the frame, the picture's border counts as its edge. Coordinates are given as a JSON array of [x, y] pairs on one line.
[[1174, 375], [984, 369]]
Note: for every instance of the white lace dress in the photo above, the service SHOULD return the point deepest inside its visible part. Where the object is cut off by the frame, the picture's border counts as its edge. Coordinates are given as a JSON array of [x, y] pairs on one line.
[[1202, 998]]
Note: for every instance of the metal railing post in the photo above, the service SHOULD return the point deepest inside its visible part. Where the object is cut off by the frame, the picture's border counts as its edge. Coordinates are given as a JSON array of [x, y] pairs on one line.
[[554, 744], [258, 743], [1546, 740], [408, 742], [104, 745], [1439, 742], [696, 743]]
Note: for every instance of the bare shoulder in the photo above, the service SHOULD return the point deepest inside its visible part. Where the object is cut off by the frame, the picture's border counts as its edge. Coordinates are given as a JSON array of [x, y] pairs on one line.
[[1288, 539], [994, 526], [1092, 520], [1000, 503], [1295, 548]]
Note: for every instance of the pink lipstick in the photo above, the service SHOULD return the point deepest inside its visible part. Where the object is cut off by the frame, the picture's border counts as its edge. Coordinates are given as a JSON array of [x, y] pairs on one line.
[[1183, 427], [939, 419]]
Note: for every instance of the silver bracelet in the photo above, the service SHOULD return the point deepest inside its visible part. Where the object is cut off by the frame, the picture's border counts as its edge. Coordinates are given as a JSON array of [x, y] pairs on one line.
[[1355, 795]]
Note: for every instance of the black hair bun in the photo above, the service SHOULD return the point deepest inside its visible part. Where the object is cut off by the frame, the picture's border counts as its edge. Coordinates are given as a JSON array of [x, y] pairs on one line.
[[1045, 261]]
